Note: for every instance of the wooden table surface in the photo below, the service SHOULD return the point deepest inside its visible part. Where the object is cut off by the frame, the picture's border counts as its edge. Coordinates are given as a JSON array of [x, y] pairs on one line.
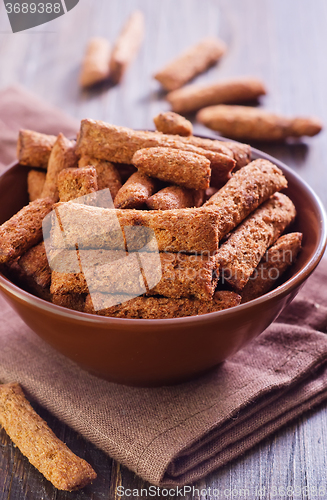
[[281, 41]]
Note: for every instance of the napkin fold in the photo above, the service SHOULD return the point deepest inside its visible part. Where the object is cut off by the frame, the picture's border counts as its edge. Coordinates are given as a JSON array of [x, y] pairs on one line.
[[175, 435]]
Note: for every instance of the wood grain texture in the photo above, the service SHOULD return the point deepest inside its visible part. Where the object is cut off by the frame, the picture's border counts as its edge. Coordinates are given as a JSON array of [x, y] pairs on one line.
[[282, 42]]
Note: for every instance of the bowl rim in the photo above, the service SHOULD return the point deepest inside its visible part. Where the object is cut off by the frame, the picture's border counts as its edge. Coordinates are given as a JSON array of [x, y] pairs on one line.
[[281, 290]]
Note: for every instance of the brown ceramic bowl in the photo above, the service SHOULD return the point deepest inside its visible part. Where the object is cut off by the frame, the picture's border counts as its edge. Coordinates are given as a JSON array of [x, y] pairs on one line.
[[156, 352]]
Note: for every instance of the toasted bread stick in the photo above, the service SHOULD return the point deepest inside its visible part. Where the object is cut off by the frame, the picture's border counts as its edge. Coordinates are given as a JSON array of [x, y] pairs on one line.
[[190, 63], [35, 184], [172, 123], [33, 148], [127, 46], [272, 266], [118, 144], [68, 284], [106, 271], [254, 124], [63, 260], [35, 271], [210, 192], [186, 230], [181, 275], [161, 307], [75, 301], [240, 152], [108, 176], [108, 278], [244, 192], [194, 97], [199, 197], [95, 65], [192, 276], [13, 272], [102, 270], [39, 444], [23, 230], [135, 192], [242, 252], [62, 156], [172, 165], [75, 182], [171, 198]]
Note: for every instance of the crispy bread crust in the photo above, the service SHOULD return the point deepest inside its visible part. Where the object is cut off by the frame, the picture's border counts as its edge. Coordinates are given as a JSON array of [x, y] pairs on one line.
[[35, 271], [172, 165], [242, 252], [62, 156], [33, 148], [182, 275], [244, 192], [35, 184], [272, 266], [108, 176], [164, 308], [194, 97], [127, 46], [186, 230], [95, 65], [23, 230], [172, 198], [76, 182], [247, 123], [190, 63]]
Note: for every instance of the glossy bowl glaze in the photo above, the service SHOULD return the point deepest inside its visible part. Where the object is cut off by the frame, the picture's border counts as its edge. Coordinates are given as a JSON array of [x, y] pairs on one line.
[[157, 352]]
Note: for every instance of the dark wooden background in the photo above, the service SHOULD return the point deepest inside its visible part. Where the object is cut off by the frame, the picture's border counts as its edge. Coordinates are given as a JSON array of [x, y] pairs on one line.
[[282, 41]]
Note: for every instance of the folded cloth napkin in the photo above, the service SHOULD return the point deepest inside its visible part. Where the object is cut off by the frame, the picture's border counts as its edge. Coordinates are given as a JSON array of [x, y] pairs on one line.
[[173, 436], [22, 109]]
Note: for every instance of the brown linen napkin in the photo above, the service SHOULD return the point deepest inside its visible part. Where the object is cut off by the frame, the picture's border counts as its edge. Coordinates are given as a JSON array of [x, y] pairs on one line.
[[22, 109], [176, 435]]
